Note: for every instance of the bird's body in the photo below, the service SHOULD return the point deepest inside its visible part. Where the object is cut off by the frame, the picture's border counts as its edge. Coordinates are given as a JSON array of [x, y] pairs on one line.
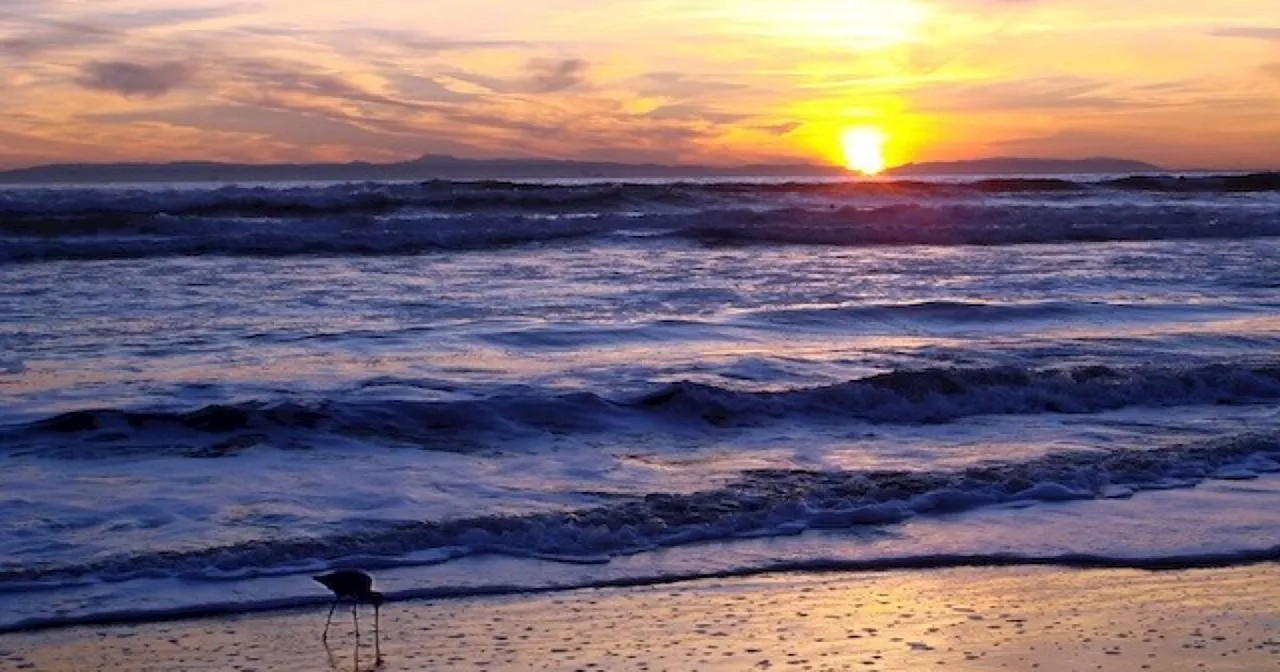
[[350, 584], [354, 586]]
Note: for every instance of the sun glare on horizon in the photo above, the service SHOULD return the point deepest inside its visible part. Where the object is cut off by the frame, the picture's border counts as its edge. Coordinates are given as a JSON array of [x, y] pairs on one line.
[[863, 149]]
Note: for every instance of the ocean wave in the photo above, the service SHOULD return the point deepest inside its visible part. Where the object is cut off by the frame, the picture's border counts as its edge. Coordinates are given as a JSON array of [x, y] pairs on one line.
[[983, 225], [847, 318], [17, 203], [760, 503], [1251, 182], [924, 396], [168, 236], [842, 316], [116, 236], [20, 207], [939, 395]]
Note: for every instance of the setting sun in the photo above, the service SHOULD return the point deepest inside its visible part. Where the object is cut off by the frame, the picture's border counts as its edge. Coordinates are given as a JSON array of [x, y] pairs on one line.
[[863, 148]]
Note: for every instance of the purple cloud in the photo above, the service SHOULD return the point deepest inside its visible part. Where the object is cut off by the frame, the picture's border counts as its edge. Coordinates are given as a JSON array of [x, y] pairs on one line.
[[140, 80]]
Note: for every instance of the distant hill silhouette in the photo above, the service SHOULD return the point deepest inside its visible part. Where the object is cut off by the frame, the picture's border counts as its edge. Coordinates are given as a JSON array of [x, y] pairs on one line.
[[450, 167], [1024, 166]]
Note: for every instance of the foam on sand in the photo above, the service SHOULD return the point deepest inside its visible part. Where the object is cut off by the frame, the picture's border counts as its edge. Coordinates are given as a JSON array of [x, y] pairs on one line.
[[960, 619]]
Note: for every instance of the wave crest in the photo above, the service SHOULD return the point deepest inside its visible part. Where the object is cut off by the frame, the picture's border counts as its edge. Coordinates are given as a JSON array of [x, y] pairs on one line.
[[118, 236], [771, 502], [924, 396]]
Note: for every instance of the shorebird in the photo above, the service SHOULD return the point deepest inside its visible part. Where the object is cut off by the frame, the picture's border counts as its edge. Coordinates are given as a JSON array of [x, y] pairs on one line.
[[354, 586]]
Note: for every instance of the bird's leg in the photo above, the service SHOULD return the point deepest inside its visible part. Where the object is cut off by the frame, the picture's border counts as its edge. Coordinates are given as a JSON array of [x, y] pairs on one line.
[[377, 637], [327, 621], [355, 618]]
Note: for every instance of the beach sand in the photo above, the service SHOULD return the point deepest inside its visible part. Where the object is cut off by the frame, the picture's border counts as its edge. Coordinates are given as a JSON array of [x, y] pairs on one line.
[[955, 619]]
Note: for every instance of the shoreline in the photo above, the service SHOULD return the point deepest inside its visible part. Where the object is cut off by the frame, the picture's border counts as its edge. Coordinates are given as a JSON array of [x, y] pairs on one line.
[[824, 567], [1044, 618]]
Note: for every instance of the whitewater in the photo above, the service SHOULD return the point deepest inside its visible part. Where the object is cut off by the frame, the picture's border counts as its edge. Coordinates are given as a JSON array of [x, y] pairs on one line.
[[210, 392]]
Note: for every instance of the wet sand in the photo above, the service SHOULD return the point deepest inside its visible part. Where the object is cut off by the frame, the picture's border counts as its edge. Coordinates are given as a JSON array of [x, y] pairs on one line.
[[957, 619]]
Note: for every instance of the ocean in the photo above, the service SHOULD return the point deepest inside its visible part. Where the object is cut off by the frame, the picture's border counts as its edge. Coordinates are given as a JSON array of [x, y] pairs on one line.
[[209, 393]]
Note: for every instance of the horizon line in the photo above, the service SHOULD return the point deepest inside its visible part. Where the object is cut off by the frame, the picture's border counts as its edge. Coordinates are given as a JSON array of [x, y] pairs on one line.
[[426, 158]]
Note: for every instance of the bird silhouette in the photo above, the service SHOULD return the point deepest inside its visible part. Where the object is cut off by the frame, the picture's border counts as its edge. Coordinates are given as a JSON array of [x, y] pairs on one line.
[[354, 586]]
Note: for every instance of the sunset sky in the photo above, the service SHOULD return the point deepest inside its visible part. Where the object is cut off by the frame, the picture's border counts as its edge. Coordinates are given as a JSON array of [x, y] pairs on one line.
[[1182, 83]]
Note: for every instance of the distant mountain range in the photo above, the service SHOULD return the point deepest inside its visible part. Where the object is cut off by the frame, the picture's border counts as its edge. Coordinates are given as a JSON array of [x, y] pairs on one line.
[[449, 167]]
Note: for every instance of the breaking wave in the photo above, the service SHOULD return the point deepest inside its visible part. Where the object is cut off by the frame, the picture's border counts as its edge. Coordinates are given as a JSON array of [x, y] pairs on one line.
[[903, 397], [118, 236], [759, 503]]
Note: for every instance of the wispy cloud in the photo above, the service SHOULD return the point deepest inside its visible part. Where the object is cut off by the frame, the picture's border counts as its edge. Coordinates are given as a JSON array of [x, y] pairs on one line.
[[284, 78], [1268, 34], [696, 113], [1044, 93], [32, 36], [778, 129], [32, 33], [431, 44], [536, 75], [549, 76], [681, 85]]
